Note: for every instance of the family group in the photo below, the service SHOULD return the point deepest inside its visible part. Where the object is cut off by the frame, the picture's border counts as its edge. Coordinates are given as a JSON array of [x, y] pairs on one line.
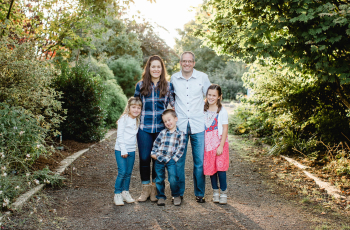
[[162, 117]]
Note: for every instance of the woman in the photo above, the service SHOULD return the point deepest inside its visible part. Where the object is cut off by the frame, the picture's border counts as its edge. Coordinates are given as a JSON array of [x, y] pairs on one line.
[[156, 93]]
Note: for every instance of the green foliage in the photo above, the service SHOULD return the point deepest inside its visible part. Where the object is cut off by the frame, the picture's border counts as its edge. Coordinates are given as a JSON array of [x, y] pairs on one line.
[[111, 40], [152, 44], [83, 99], [220, 69], [309, 36], [294, 110], [114, 100], [46, 176], [127, 72], [26, 82], [22, 141], [230, 79]]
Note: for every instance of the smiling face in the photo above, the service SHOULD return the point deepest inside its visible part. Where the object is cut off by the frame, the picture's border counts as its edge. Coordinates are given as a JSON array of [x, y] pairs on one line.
[[187, 63], [134, 111], [212, 96], [155, 69], [169, 121]]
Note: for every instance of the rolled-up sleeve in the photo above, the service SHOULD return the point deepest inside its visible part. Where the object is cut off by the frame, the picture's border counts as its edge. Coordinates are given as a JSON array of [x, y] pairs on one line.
[[171, 96], [181, 146], [137, 90]]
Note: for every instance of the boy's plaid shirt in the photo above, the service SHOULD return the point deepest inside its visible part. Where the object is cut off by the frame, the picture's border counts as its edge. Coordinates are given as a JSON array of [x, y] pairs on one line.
[[153, 107], [169, 145]]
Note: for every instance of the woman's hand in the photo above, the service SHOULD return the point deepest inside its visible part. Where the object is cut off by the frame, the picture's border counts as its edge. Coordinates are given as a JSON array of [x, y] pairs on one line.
[[125, 155], [154, 157], [219, 151]]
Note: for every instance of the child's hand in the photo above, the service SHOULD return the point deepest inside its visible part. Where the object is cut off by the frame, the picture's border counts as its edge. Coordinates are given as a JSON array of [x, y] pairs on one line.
[[125, 155], [219, 151], [154, 157]]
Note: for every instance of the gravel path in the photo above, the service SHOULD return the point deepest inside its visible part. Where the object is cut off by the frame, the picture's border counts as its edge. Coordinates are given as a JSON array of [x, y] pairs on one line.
[[87, 200]]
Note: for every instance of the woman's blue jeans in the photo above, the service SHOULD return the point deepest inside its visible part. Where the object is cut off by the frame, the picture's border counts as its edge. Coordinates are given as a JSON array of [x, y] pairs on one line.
[[222, 179], [145, 143], [125, 166]]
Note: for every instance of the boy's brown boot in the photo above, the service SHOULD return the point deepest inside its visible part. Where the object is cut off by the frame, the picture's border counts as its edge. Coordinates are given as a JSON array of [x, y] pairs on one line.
[[146, 191], [153, 193]]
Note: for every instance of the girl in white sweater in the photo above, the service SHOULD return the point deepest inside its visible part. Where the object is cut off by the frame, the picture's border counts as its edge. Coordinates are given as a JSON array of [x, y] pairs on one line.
[[125, 147]]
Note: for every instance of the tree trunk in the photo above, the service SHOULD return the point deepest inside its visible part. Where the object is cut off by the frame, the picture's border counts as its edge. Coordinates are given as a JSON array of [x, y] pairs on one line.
[[8, 15]]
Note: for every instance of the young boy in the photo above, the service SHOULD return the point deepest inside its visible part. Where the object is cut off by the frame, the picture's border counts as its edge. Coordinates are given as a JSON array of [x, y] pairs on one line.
[[167, 150]]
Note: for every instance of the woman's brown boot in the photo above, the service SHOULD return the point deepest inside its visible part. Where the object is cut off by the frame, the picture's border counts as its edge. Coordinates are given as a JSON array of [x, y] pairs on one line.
[[153, 193], [146, 192]]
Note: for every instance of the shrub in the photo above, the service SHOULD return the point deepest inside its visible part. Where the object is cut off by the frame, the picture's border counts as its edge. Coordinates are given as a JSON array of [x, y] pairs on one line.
[[127, 72], [114, 100], [83, 99], [22, 141], [293, 109], [26, 81], [229, 78]]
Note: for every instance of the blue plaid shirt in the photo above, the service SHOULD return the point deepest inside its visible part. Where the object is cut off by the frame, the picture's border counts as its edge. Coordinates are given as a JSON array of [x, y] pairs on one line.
[[169, 145], [153, 107]]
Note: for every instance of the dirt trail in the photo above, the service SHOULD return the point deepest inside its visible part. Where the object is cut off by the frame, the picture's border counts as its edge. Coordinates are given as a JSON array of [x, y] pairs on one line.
[[87, 202], [255, 202]]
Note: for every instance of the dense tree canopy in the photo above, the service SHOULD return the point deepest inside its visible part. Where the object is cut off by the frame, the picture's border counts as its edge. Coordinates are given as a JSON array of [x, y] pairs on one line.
[[220, 68], [308, 35]]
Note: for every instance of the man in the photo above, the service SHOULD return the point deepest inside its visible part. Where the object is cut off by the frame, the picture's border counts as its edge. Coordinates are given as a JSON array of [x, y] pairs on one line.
[[190, 86]]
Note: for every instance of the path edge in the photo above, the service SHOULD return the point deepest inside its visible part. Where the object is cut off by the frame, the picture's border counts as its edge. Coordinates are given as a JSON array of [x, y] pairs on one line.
[[332, 190], [20, 201]]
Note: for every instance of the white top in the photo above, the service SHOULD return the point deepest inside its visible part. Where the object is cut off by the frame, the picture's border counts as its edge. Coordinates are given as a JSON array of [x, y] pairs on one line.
[[189, 103], [222, 119], [126, 135]]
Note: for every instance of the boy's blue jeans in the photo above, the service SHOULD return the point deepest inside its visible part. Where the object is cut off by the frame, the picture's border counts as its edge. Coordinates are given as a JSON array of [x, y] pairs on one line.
[[172, 177], [125, 166]]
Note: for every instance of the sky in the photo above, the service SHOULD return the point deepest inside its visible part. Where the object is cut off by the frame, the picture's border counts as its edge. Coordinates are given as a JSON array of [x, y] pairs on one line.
[[171, 14]]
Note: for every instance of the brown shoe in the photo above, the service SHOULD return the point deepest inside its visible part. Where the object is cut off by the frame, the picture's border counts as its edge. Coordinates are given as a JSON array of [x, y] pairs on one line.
[[153, 193], [146, 191]]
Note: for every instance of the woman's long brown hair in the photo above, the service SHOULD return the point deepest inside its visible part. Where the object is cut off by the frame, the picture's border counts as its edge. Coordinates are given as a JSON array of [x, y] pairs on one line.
[[147, 78], [217, 88]]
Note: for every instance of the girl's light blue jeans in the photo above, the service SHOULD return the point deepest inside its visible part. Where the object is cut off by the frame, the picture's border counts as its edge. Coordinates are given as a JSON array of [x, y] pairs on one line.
[[125, 166]]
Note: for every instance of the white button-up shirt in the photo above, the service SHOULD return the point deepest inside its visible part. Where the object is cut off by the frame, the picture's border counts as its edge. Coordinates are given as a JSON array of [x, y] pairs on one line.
[[189, 103]]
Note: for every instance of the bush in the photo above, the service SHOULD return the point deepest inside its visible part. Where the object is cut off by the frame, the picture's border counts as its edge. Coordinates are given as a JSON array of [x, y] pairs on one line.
[[294, 110], [22, 141], [127, 72], [229, 78], [26, 81], [114, 98], [83, 99]]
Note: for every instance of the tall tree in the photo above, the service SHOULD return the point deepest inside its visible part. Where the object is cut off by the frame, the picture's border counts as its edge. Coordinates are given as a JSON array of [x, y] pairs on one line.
[[308, 35], [152, 44]]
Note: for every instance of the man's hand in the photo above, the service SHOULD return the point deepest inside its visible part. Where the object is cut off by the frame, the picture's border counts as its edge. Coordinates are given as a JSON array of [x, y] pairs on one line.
[[125, 155], [219, 151], [154, 157]]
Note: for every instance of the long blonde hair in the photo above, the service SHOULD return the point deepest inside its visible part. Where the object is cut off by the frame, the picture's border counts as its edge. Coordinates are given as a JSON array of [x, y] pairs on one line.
[[132, 101]]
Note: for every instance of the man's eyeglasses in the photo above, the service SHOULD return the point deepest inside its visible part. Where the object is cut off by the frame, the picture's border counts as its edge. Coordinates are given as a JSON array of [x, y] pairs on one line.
[[185, 62]]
